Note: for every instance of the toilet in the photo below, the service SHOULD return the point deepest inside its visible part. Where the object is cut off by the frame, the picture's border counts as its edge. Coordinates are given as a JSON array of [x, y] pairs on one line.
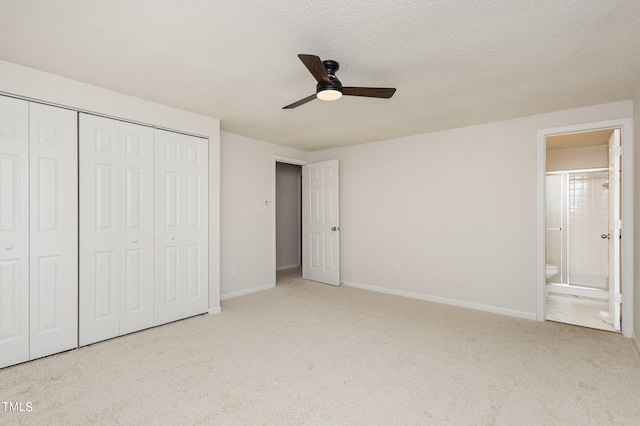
[[552, 270]]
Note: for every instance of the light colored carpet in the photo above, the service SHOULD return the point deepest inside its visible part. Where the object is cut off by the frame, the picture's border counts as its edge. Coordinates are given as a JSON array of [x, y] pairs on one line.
[[308, 353]]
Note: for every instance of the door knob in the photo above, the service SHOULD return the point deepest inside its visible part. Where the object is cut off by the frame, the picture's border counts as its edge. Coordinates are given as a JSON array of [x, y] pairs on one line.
[[604, 236], [172, 238], [335, 228], [135, 240], [8, 247]]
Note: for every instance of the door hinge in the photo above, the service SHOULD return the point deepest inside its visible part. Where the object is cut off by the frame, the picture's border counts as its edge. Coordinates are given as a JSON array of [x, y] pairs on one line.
[[617, 150], [618, 298]]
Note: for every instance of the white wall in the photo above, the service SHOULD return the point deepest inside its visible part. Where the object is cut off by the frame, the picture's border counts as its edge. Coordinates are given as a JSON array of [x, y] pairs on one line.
[[636, 220], [288, 192], [247, 235], [37, 85], [586, 157], [455, 210]]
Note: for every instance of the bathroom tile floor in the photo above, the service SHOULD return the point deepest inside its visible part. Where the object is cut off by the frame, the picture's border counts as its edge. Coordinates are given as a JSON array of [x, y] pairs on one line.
[[578, 310]]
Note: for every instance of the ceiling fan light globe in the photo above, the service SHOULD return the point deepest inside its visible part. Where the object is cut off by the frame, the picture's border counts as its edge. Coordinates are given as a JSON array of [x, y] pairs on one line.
[[329, 95]]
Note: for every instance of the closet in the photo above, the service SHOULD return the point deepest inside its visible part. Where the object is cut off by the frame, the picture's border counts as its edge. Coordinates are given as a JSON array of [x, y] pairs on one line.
[[38, 230], [103, 228]]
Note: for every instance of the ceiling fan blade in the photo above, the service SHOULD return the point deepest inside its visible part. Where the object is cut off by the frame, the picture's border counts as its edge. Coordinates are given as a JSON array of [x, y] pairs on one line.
[[369, 92], [315, 67], [301, 102]]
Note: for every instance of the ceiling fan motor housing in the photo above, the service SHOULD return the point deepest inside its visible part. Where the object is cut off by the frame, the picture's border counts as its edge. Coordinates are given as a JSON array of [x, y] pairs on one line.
[[334, 84]]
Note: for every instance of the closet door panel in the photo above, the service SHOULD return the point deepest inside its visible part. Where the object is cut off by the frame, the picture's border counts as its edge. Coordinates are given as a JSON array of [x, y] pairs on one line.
[[14, 231], [196, 225], [54, 230], [136, 301], [181, 226], [168, 236], [100, 227]]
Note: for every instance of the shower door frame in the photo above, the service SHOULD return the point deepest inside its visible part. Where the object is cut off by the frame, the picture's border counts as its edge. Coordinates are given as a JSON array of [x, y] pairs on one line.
[[565, 238], [626, 128]]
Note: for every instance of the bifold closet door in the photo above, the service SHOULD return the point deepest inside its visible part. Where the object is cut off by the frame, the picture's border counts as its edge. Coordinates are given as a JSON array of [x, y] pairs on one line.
[[38, 229], [136, 237], [116, 228], [181, 223], [14, 230], [54, 229]]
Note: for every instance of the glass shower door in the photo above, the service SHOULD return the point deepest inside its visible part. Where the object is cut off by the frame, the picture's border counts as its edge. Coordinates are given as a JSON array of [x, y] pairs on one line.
[[588, 221]]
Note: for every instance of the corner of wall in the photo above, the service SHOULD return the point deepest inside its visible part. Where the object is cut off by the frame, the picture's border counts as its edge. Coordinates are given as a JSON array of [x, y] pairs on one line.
[[636, 343], [636, 219], [214, 220], [247, 178]]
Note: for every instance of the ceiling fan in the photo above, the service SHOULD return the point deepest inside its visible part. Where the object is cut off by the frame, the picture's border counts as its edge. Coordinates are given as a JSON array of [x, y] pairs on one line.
[[329, 87]]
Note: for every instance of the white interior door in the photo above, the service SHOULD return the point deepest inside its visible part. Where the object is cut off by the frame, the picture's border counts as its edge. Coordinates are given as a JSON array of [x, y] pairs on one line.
[[614, 227], [14, 231], [181, 226], [321, 222], [100, 196], [54, 229]]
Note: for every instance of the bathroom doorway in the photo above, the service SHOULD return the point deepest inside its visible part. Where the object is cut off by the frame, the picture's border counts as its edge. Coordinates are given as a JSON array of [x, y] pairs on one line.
[[583, 228]]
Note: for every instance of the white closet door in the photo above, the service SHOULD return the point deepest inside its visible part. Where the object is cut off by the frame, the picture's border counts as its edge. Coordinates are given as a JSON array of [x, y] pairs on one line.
[[54, 229], [116, 228], [100, 195], [14, 231], [181, 223], [136, 243]]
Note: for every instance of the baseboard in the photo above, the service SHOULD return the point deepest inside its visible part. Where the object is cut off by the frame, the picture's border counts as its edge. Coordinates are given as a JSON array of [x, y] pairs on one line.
[[636, 342], [245, 292], [216, 310], [282, 268], [443, 300]]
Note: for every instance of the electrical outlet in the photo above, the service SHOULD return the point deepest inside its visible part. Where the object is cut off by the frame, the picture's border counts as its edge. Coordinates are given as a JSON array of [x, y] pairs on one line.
[[234, 271], [396, 270]]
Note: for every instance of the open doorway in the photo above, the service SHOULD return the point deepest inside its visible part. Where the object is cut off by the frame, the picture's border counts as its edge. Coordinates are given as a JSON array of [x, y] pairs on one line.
[[582, 240], [287, 218], [313, 237], [288, 212], [581, 188]]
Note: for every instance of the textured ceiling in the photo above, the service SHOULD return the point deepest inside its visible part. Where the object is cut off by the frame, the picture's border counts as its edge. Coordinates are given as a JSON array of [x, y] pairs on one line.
[[454, 62]]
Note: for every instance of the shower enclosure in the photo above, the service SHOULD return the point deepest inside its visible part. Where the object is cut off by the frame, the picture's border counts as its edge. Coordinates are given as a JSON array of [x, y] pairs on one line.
[[577, 229]]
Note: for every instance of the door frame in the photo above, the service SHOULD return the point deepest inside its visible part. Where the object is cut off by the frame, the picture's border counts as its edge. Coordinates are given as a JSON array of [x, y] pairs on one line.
[[287, 160], [626, 126]]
